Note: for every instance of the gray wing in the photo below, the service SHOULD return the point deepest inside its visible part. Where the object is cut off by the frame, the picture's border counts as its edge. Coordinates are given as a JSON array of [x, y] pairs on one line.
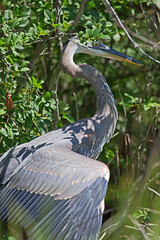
[[58, 194]]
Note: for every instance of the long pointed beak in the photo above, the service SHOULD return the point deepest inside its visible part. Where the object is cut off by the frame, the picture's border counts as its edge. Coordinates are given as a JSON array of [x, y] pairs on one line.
[[107, 52], [113, 54], [101, 50]]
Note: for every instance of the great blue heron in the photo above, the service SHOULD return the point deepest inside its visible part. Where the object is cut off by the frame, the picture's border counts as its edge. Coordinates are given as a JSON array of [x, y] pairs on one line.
[[52, 188]]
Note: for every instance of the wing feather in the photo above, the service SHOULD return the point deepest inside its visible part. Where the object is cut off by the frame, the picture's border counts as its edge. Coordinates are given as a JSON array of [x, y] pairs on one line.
[[56, 195]]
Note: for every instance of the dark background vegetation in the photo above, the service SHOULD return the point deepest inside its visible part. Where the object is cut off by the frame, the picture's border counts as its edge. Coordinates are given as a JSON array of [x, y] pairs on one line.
[[32, 34]]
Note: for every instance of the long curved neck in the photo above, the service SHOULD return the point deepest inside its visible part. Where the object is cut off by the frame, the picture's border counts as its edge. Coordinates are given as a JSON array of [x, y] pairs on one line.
[[106, 115]]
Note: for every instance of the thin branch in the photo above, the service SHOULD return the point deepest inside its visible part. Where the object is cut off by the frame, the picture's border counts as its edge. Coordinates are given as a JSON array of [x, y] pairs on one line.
[[154, 211], [57, 4], [136, 45], [41, 40], [9, 117], [144, 14], [37, 52], [144, 39], [133, 196], [124, 109], [154, 191], [142, 230], [157, 14], [79, 15], [118, 164], [33, 60], [77, 112], [55, 87]]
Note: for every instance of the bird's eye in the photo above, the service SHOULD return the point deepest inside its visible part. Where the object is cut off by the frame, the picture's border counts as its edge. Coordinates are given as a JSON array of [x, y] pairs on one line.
[[95, 44]]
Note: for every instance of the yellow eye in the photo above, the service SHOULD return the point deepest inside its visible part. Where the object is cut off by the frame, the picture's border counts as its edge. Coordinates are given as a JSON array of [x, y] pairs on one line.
[[95, 44]]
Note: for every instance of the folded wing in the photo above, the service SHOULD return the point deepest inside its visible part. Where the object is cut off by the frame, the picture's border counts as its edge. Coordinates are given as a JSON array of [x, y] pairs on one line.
[[58, 194]]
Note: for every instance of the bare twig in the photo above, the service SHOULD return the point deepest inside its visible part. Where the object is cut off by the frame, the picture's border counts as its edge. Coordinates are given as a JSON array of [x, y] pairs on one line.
[[152, 211], [57, 4], [60, 34], [136, 45], [9, 117], [79, 14], [38, 51], [118, 165], [154, 191], [124, 109], [75, 98], [126, 135], [144, 234], [55, 87], [157, 14], [144, 13], [34, 59], [132, 198], [144, 39]]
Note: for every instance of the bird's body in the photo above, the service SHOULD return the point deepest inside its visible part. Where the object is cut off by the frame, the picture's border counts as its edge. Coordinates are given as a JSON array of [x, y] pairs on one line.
[[69, 177], [52, 188], [8, 101]]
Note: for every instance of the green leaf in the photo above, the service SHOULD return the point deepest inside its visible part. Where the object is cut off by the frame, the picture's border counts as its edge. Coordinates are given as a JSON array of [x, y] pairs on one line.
[[81, 33], [68, 117], [109, 24], [15, 22], [54, 14], [65, 25], [9, 131], [91, 4], [26, 12], [2, 42], [34, 81], [138, 213], [11, 238], [52, 103], [8, 14], [2, 111], [24, 64], [47, 14], [43, 32], [96, 32], [54, 25], [24, 69], [89, 32], [3, 132], [106, 37], [19, 46], [38, 85], [14, 51], [30, 81], [116, 37], [24, 23], [47, 95]]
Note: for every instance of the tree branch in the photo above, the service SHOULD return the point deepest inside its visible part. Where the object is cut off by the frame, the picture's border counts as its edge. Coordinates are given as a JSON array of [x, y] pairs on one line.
[[37, 52], [136, 45], [79, 14], [144, 39], [33, 60]]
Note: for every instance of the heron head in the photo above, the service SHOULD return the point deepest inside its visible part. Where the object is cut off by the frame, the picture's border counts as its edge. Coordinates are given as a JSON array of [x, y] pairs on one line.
[[96, 48]]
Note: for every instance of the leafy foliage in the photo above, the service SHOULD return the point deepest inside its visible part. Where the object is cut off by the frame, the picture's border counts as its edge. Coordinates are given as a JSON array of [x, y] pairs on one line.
[[31, 37]]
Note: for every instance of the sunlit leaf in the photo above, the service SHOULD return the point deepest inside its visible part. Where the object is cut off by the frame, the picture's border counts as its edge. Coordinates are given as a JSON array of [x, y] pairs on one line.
[[24, 69], [8, 14], [2, 111], [3, 132]]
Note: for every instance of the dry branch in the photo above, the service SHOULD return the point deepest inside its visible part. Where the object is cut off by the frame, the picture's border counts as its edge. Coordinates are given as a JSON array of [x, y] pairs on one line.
[[119, 22], [79, 14]]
